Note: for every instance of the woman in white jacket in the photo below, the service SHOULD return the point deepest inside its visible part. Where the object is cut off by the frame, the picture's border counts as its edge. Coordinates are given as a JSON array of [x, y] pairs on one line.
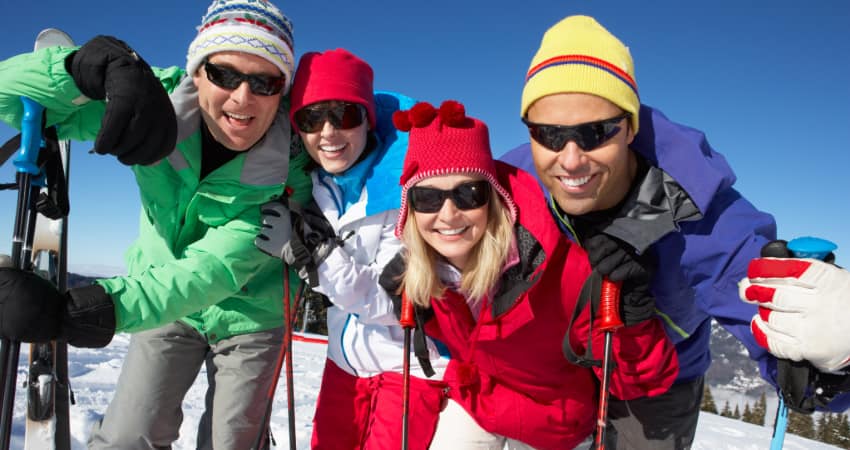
[[347, 130]]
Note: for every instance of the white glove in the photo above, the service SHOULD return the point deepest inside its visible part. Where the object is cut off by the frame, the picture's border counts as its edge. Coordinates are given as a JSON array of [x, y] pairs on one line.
[[804, 310]]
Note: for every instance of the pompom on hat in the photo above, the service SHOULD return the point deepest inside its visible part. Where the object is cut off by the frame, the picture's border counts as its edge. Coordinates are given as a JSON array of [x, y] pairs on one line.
[[257, 27], [579, 55], [332, 75], [443, 142]]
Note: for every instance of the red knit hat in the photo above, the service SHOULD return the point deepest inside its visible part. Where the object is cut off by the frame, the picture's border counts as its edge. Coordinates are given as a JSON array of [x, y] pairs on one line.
[[332, 75], [443, 142]]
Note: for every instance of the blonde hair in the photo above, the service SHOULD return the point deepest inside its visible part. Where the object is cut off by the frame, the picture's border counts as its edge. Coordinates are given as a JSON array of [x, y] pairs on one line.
[[421, 282]]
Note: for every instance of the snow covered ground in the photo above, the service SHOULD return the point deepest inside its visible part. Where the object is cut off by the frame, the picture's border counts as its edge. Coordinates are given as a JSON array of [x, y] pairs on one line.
[[95, 372]]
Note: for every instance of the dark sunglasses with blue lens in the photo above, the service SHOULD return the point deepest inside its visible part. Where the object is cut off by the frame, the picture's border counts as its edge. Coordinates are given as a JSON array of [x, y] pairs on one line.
[[466, 196], [588, 136], [228, 78]]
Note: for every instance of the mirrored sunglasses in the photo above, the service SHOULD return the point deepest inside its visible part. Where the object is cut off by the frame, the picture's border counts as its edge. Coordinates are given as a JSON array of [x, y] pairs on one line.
[[342, 115], [588, 136], [466, 196], [227, 78]]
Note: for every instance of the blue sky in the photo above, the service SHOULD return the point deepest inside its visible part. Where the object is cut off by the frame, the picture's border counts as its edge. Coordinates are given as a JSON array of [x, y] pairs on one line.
[[767, 81]]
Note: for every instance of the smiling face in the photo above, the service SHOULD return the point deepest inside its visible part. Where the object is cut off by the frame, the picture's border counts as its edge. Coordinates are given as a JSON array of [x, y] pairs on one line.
[[237, 118], [583, 181], [452, 232], [336, 149]]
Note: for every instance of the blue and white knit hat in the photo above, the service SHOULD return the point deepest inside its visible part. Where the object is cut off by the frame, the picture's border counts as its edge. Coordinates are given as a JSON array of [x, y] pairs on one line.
[[250, 26]]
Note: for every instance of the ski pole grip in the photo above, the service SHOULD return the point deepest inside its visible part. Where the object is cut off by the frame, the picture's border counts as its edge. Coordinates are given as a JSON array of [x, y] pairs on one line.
[[27, 158], [609, 306], [406, 319], [811, 247]]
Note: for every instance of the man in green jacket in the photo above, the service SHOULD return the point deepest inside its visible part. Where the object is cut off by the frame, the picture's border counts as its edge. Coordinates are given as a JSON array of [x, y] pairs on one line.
[[197, 290]]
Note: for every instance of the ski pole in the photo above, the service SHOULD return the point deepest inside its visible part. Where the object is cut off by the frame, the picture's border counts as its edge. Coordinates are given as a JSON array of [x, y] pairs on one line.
[[27, 171], [804, 247], [290, 393], [407, 323], [264, 436], [609, 321]]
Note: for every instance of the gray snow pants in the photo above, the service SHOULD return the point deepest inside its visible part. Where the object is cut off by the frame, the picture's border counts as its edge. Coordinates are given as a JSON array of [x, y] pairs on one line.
[[664, 422], [160, 367]]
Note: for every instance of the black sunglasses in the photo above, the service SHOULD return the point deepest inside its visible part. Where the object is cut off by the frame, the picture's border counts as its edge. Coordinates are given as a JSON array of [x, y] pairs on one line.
[[588, 135], [342, 115], [466, 196], [227, 78]]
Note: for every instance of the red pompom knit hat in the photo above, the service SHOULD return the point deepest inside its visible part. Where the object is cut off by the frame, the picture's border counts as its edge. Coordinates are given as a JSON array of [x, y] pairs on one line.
[[332, 75], [443, 142]]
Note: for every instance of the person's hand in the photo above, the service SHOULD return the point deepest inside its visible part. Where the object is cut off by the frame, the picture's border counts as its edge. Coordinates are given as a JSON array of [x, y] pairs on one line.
[[302, 238], [139, 125], [33, 310], [318, 234], [617, 260], [802, 306], [390, 279]]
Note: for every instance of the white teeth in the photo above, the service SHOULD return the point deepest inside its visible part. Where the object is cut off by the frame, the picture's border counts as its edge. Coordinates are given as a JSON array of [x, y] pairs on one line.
[[237, 116], [454, 232], [331, 148], [574, 182]]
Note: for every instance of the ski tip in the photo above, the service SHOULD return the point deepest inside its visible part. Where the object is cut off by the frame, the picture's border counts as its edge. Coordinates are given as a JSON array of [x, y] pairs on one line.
[[53, 37]]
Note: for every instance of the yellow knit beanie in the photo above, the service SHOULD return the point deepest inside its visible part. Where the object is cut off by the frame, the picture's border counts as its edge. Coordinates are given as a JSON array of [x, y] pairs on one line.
[[579, 55]]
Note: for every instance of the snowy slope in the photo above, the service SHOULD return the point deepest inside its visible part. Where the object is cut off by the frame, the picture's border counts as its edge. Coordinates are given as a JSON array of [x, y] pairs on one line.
[[95, 372]]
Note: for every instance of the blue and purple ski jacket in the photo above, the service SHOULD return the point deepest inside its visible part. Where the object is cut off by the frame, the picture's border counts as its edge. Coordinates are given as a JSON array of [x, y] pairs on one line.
[[700, 264]]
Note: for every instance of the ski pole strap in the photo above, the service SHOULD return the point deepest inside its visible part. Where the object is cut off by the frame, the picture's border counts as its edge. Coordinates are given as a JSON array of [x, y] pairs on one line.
[[9, 148], [420, 346], [54, 203], [590, 293], [805, 388]]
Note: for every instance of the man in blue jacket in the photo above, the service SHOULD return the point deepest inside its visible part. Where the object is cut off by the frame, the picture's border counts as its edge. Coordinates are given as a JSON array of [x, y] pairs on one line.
[[655, 210]]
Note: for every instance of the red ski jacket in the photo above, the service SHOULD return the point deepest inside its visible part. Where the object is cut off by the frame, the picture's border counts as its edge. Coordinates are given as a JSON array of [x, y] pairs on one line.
[[507, 368]]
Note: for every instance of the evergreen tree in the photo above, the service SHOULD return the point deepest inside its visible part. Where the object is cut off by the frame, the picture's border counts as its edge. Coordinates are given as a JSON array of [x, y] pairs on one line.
[[748, 414], [760, 410], [823, 424], [726, 411], [801, 424], [842, 431], [737, 413], [707, 404]]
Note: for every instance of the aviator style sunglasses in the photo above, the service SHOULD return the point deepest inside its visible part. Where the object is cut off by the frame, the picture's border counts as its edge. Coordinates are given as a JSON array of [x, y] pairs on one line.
[[227, 78], [588, 135], [466, 196], [342, 115]]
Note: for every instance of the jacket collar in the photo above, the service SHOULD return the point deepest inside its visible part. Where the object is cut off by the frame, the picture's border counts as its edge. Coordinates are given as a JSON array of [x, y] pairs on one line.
[[266, 163]]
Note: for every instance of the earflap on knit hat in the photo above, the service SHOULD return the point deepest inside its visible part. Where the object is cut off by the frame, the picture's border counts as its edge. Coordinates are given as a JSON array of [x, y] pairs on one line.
[[578, 55], [441, 142], [257, 27]]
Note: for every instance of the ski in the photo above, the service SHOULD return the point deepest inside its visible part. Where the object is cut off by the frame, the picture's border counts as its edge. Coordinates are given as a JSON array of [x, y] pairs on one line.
[[40, 244], [48, 401]]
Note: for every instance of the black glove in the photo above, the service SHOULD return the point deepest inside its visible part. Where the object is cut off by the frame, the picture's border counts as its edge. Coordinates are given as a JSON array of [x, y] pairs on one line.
[[33, 310], [302, 237], [618, 261], [390, 280], [139, 125]]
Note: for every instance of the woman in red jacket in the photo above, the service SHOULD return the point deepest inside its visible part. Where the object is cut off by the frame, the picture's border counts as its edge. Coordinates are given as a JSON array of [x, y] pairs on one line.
[[494, 280]]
